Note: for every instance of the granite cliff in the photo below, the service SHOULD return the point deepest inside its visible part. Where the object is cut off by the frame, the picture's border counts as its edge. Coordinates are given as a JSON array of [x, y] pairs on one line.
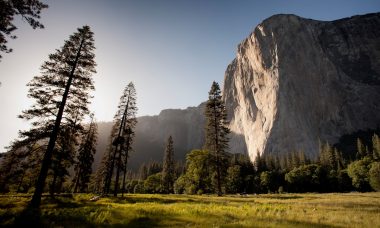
[[296, 82]]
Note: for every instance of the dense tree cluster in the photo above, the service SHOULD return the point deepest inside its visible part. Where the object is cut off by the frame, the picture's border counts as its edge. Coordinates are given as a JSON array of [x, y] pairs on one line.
[[292, 173]]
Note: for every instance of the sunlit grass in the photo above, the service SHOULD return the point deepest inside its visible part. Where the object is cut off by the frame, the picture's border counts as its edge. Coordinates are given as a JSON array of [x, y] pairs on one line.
[[138, 210]]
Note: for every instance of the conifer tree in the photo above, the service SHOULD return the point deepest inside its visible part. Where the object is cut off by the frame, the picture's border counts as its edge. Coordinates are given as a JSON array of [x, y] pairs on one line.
[[85, 157], [62, 96], [129, 129], [217, 132], [361, 149], [168, 167], [143, 172], [376, 147], [122, 137]]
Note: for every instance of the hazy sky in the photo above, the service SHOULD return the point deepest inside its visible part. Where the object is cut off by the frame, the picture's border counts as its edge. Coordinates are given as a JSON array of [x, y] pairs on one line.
[[171, 50]]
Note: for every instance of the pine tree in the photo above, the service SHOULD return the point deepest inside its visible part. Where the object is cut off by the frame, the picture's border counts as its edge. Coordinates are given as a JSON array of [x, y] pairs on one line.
[[29, 11], [129, 130], [122, 139], [143, 172], [376, 147], [217, 132], [168, 168], [85, 157], [361, 149], [62, 96]]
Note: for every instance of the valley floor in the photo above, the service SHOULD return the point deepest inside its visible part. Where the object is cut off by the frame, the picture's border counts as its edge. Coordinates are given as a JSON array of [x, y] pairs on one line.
[[144, 210]]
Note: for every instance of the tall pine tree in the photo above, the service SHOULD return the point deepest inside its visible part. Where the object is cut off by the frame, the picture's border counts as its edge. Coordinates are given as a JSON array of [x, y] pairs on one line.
[[121, 138], [217, 133], [168, 177], [62, 96]]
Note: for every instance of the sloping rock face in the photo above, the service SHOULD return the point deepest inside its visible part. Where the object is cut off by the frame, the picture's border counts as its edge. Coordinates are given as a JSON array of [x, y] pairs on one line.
[[296, 82], [186, 126]]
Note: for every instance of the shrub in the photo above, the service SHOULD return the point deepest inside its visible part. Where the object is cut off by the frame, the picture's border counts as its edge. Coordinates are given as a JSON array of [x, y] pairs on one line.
[[374, 176], [358, 171]]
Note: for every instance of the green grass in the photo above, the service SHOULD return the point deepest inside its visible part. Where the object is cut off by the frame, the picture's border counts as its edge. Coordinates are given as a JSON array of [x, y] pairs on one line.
[[139, 210]]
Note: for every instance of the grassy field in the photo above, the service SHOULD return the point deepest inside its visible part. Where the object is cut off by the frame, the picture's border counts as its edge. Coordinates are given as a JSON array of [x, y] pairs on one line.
[[276, 210]]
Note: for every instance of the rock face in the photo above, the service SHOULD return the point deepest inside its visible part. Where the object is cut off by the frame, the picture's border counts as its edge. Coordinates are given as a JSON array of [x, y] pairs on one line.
[[296, 81], [185, 125]]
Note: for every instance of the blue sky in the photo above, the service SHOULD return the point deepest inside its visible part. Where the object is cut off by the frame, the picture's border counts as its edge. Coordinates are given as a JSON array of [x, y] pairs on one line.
[[171, 50]]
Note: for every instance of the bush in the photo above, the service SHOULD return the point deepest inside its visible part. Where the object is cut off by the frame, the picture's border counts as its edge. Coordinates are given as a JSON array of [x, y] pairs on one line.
[[180, 185], [152, 184], [305, 178], [358, 171], [234, 179], [374, 176], [139, 187]]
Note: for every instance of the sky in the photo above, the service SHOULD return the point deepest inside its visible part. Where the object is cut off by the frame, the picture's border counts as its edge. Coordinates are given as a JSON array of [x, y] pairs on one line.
[[171, 50]]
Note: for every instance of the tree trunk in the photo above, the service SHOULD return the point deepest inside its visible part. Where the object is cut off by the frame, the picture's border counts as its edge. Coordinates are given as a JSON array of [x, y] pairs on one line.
[[118, 171], [121, 134], [36, 199], [77, 181], [52, 186], [218, 179], [125, 164]]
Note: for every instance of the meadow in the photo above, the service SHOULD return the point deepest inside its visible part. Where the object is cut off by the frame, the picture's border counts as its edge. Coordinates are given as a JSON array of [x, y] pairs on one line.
[[153, 210]]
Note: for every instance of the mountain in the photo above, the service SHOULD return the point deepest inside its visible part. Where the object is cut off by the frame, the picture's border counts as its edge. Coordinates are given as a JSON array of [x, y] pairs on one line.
[[185, 125], [296, 82]]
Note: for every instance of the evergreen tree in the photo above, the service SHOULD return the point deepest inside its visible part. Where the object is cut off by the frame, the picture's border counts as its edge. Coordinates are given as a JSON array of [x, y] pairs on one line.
[[376, 147], [143, 172], [361, 149], [29, 11], [327, 157], [62, 95], [259, 163], [216, 133], [122, 139], [153, 168], [85, 157], [168, 168]]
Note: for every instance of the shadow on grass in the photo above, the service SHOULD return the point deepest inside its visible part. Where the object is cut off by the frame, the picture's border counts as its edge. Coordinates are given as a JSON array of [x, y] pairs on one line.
[[160, 200], [142, 222], [29, 216], [280, 197], [62, 202]]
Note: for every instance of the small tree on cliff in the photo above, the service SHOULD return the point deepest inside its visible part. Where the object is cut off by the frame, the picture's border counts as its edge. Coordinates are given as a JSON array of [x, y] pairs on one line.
[[168, 168], [62, 96], [217, 133]]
